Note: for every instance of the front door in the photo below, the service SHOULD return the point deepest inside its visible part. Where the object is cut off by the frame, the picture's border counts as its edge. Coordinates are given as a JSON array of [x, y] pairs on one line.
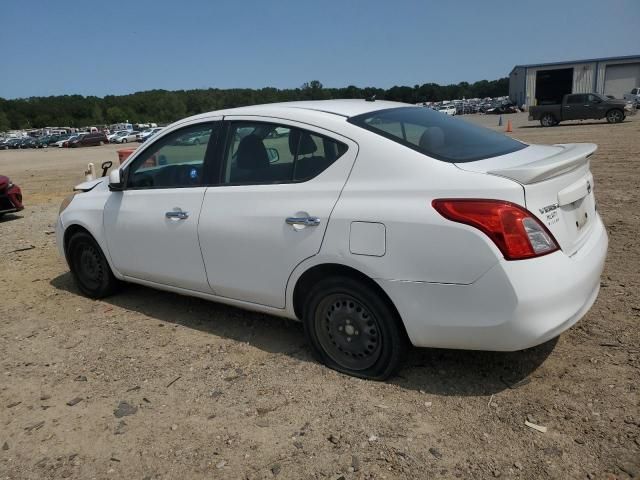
[[151, 226], [279, 184]]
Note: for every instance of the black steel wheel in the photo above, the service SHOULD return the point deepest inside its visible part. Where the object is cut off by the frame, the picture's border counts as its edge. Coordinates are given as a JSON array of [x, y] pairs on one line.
[[353, 330], [89, 267], [615, 116]]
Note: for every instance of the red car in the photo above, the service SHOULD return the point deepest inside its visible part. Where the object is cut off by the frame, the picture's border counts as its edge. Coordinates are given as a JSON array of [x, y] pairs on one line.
[[10, 196]]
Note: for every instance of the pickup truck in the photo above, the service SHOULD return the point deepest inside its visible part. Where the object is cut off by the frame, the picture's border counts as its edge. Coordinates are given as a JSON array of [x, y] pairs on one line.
[[634, 96], [582, 106]]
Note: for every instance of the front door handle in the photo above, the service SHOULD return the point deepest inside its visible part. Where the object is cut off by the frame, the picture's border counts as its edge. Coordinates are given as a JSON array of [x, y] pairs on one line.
[[179, 214], [303, 221]]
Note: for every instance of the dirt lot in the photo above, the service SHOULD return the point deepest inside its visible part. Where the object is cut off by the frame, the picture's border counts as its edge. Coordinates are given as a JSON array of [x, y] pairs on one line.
[[216, 392]]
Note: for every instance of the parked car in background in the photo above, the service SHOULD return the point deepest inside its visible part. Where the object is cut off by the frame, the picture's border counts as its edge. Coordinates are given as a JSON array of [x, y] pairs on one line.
[[143, 136], [633, 96], [111, 137], [501, 109], [89, 140], [10, 196], [28, 142], [125, 137], [582, 106], [483, 242], [10, 143], [449, 109], [64, 139]]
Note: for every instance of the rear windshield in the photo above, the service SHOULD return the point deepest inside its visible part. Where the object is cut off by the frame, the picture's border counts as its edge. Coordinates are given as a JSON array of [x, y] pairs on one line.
[[437, 135]]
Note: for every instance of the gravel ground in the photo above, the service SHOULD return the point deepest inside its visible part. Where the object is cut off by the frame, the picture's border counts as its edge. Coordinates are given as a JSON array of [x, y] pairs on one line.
[[150, 385]]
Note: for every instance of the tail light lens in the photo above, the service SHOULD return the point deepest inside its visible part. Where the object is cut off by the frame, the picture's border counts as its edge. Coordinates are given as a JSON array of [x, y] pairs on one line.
[[514, 230]]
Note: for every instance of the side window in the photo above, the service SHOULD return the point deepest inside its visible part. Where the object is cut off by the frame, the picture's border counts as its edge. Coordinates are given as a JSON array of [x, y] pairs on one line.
[[267, 153], [176, 160], [575, 99], [592, 98]]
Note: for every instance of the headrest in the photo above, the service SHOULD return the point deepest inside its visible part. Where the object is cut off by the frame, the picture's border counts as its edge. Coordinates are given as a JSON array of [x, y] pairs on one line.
[[252, 154], [432, 139], [301, 141]]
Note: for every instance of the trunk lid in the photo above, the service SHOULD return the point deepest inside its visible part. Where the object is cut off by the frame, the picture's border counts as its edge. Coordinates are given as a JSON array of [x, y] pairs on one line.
[[558, 187]]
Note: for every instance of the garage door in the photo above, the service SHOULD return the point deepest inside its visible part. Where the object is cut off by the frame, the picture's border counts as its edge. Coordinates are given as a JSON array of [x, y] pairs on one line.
[[620, 79]]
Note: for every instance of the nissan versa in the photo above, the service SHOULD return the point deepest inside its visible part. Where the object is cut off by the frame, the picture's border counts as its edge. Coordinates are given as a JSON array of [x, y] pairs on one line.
[[377, 224]]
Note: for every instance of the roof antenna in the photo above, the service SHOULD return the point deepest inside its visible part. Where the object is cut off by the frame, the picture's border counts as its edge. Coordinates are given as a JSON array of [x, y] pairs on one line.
[[372, 98]]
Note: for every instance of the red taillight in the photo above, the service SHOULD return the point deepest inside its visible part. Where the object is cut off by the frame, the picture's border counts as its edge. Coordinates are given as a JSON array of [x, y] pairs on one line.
[[514, 230]]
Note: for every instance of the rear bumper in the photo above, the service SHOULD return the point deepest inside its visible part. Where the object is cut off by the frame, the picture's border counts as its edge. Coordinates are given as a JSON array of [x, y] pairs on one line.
[[515, 305]]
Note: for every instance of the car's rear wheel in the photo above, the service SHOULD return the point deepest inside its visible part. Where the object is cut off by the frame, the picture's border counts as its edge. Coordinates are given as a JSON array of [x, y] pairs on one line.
[[89, 266], [124, 140], [615, 116], [548, 120], [353, 330]]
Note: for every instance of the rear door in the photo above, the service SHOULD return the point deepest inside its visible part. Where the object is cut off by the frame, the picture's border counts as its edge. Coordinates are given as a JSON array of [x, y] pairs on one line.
[[574, 108], [279, 183]]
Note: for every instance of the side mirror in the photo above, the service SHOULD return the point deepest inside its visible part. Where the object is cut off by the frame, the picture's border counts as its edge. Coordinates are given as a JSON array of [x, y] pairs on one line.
[[115, 182], [273, 155]]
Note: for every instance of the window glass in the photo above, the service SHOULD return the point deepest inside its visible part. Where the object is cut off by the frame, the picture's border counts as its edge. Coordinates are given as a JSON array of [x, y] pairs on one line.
[[260, 153], [575, 99], [175, 160], [439, 136]]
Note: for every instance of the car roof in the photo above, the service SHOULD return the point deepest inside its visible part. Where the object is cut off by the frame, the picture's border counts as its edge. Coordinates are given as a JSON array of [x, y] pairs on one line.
[[344, 108]]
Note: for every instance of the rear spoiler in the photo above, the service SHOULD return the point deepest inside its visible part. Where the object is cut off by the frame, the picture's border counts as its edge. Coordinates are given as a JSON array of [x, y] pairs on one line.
[[569, 158]]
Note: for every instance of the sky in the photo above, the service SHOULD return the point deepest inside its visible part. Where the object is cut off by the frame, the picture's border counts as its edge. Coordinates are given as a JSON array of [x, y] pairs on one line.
[[113, 48]]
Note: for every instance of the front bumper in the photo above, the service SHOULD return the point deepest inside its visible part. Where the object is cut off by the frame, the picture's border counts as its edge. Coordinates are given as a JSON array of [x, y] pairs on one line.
[[515, 305], [11, 200]]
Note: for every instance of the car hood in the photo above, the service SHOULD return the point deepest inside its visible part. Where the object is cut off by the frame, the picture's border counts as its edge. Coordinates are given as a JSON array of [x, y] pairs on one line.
[[617, 102], [4, 181], [90, 185]]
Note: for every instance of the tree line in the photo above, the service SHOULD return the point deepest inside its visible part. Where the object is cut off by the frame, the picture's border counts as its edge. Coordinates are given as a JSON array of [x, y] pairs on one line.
[[164, 106]]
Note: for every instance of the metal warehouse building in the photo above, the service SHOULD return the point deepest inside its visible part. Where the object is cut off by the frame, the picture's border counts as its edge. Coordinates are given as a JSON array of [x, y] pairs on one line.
[[545, 83]]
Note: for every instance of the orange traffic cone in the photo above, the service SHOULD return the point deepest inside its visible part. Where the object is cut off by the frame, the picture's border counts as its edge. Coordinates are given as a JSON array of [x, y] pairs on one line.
[[509, 130]]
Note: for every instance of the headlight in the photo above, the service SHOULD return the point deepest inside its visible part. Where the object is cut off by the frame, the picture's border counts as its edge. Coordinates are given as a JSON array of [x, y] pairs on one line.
[[10, 185], [65, 203]]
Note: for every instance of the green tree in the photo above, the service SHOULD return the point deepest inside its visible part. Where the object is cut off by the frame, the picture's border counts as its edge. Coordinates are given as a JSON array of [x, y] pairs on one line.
[[4, 122]]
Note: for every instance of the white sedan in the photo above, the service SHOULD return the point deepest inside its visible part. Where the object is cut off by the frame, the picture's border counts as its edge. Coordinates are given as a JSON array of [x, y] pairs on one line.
[[124, 137], [448, 109], [377, 224], [119, 133], [146, 134]]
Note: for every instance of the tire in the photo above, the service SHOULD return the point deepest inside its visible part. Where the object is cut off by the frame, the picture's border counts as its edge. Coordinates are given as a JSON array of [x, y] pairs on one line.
[[548, 120], [124, 140], [89, 267], [101, 143], [351, 329], [615, 115]]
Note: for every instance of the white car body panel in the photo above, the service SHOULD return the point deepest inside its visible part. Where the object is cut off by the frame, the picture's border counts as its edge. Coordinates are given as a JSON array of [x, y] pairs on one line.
[[138, 234], [449, 282]]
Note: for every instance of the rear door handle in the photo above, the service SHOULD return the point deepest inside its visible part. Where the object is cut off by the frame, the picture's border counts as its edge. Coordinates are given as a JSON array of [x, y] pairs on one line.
[[180, 215], [304, 221]]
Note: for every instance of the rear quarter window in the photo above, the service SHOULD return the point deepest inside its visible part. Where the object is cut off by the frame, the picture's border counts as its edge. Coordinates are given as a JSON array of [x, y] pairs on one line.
[[437, 135]]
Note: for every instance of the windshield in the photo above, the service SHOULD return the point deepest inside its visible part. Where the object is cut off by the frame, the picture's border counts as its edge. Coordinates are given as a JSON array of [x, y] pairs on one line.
[[439, 136]]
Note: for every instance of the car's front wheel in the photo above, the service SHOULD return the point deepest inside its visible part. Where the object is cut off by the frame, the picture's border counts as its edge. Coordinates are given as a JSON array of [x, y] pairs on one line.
[[89, 266], [353, 330]]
